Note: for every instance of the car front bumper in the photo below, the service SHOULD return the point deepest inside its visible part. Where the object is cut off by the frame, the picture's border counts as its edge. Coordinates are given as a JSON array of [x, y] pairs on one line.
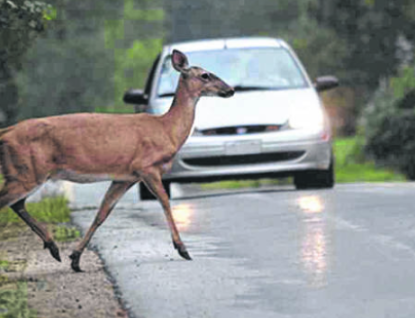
[[210, 158]]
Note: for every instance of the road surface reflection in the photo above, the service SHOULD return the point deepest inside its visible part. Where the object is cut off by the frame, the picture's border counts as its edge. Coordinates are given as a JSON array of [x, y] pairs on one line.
[[311, 204], [314, 247], [183, 215]]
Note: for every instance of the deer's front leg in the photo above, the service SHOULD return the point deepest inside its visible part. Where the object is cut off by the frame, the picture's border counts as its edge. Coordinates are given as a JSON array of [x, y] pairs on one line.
[[114, 193], [153, 181]]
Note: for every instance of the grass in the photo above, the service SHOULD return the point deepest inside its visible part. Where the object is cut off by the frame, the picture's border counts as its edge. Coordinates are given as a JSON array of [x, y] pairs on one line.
[[105, 110], [63, 233], [4, 265], [351, 166], [13, 301], [53, 210], [237, 184], [13, 293], [55, 213]]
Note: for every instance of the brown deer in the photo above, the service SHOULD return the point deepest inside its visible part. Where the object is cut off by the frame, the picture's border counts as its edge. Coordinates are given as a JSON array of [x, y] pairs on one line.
[[85, 148]]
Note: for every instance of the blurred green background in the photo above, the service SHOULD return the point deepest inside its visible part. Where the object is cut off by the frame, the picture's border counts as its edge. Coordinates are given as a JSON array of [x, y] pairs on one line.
[[66, 56]]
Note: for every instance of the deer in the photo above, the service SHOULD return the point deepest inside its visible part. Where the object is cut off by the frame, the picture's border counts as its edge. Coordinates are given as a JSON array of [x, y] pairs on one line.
[[91, 147]]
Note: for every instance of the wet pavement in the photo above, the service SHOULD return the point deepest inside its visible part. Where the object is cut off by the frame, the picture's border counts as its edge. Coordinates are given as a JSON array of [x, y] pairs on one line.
[[272, 252]]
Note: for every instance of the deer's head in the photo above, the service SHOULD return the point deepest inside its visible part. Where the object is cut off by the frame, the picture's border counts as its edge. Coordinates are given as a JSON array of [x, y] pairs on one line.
[[199, 81]]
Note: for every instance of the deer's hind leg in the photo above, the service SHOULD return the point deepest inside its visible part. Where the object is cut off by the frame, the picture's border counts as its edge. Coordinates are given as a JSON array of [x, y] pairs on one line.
[[19, 208], [20, 181], [14, 195]]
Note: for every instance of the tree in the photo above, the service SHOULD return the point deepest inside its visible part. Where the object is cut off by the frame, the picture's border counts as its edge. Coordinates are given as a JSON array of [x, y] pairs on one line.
[[20, 23], [374, 39], [135, 38], [68, 69], [389, 123], [95, 52], [371, 30]]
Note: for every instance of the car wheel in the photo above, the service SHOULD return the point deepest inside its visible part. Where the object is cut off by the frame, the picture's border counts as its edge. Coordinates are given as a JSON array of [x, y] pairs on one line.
[[145, 194], [315, 179]]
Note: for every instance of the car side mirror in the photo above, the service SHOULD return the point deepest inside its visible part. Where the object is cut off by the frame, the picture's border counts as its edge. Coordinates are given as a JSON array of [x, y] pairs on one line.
[[135, 96], [324, 83]]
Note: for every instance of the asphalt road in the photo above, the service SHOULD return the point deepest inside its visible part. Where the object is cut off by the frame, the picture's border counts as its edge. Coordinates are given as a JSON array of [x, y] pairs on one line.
[[274, 252]]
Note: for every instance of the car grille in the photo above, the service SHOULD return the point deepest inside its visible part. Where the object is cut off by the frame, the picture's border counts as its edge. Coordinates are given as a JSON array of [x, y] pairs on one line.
[[240, 130], [244, 159]]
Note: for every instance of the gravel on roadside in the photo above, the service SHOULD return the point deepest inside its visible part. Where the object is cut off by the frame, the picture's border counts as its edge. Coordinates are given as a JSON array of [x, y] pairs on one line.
[[53, 289]]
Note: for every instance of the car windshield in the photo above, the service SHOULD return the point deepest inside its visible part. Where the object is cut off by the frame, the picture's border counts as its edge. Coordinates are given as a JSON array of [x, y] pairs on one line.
[[244, 69]]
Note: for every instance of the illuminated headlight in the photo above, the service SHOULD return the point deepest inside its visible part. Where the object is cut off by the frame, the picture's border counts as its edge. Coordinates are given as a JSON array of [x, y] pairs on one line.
[[307, 119]]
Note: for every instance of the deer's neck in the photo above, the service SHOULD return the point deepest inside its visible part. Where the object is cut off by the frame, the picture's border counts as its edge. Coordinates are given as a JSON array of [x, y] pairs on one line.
[[178, 121]]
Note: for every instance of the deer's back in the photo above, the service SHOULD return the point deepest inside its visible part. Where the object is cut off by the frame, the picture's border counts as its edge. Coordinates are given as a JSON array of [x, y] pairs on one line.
[[86, 143]]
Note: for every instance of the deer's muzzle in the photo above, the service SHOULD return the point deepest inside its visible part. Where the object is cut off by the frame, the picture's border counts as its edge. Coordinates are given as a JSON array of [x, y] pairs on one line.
[[227, 93]]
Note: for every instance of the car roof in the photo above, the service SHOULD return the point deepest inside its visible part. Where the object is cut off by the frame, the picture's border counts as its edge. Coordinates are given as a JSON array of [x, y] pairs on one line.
[[224, 43]]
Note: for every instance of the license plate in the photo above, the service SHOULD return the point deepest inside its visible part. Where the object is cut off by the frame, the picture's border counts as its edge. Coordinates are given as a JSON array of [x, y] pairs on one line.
[[243, 147]]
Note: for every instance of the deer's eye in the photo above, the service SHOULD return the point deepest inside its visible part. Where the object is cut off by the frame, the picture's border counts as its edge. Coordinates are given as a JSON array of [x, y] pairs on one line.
[[205, 76]]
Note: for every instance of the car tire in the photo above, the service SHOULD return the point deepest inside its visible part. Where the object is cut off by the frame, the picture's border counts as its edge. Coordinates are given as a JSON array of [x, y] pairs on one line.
[[146, 195], [315, 179]]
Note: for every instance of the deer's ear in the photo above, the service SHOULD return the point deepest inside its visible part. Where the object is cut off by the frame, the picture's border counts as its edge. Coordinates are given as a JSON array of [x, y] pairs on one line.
[[179, 61]]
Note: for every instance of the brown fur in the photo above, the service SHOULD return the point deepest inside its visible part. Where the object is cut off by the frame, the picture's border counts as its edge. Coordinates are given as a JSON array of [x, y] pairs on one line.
[[85, 147]]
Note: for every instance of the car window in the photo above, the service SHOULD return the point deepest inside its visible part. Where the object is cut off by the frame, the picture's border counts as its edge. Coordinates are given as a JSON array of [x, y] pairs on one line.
[[255, 68], [147, 89]]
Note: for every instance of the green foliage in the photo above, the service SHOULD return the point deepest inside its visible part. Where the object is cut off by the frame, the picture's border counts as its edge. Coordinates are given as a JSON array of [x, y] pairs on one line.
[[404, 83], [50, 13], [132, 57], [349, 151], [114, 110], [352, 166], [308, 39], [63, 233], [394, 144], [13, 301], [390, 124], [131, 64], [371, 30], [50, 210], [4, 265], [94, 52], [132, 13], [68, 69], [367, 172], [239, 184], [21, 21]]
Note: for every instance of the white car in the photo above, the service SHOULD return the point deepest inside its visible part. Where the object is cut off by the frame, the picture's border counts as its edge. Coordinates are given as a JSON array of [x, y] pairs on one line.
[[274, 125]]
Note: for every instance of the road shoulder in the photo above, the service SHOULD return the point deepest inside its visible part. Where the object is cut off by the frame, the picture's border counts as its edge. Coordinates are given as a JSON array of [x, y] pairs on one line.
[[50, 288]]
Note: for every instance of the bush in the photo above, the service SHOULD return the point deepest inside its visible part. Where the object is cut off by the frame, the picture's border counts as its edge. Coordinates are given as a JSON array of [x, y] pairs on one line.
[[389, 124]]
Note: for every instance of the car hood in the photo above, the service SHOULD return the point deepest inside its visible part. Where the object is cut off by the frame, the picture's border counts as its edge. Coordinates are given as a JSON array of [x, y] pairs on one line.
[[271, 107], [254, 108]]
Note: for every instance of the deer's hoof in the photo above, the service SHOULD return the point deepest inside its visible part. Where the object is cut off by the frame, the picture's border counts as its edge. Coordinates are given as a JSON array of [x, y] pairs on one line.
[[53, 249], [181, 249], [185, 255], [75, 257]]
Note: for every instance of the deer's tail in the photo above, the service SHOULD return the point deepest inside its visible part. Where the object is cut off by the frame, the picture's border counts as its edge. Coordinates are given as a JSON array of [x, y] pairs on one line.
[[2, 170]]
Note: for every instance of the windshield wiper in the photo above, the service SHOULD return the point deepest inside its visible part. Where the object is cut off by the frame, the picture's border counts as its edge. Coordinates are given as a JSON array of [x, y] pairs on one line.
[[238, 88], [241, 88], [167, 94]]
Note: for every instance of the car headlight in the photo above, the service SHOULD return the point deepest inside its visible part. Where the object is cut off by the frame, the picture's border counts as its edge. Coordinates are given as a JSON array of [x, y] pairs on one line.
[[307, 119]]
